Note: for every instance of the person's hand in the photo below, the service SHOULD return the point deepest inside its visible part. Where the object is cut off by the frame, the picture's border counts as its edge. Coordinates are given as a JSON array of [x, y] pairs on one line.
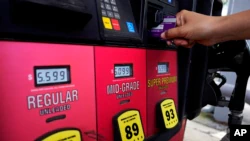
[[191, 28]]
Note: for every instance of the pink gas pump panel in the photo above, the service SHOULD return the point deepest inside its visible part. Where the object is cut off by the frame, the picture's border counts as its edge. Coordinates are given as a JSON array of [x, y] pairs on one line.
[[47, 92], [121, 93], [162, 95]]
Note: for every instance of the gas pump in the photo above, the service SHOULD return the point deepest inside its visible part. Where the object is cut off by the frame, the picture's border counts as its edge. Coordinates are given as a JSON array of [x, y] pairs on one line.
[[52, 96], [121, 93], [91, 70], [162, 96], [164, 111]]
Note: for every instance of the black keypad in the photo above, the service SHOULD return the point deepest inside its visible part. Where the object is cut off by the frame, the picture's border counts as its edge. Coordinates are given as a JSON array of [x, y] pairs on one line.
[[113, 2], [104, 13], [110, 14], [117, 16], [110, 9], [114, 8], [108, 6], [102, 5]]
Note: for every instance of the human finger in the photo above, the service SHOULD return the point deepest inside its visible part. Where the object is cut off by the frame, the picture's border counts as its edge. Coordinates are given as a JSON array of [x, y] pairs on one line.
[[181, 42], [173, 33]]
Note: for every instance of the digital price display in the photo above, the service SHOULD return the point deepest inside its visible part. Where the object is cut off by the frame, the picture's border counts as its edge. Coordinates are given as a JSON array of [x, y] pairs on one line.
[[163, 68], [52, 75], [124, 70]]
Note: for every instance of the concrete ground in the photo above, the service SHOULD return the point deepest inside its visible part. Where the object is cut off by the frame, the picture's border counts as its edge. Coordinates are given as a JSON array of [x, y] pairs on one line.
[[199, 132], [212, 126], [206, 128]]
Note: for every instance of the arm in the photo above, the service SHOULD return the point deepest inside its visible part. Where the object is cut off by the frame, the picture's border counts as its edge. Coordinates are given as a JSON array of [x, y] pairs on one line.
[[207, 30], [234, 27]]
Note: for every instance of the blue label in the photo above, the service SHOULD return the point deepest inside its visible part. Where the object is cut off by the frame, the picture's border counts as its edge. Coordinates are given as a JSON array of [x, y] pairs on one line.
[[130, 27]]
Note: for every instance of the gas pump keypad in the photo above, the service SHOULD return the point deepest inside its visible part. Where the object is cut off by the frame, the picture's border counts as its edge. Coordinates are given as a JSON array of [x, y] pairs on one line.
[[117, 16], [122, 20], [102, 5], [104, 13], [110, 8], [114, 8], [110, 14], [113, 2]]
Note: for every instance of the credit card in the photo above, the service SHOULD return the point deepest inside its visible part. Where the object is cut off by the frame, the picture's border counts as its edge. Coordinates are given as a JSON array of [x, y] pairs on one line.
[[168, 23]]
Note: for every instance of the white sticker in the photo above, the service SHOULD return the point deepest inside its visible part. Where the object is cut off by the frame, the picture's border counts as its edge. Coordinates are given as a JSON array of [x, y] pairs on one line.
[[169, 20], [161, 26]]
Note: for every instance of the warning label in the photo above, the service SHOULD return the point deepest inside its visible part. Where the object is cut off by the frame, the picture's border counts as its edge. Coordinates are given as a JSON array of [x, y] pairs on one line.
[[66, 135]]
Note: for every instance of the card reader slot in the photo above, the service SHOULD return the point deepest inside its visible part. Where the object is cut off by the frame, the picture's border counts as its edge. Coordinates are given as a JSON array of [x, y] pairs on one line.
[[154, 15], [52, 14]]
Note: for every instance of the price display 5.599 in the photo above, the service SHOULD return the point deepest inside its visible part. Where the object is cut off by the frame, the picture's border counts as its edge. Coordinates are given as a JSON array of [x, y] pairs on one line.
[[46, 76]]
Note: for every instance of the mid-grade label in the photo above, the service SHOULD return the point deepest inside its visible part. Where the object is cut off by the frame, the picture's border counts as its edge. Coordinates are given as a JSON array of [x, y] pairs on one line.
[[124, 90], [130, 126]]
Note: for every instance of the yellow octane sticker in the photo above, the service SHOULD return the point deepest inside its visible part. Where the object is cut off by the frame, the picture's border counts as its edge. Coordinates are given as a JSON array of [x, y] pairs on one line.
[[66, 135], [130, 126], [169, 113]]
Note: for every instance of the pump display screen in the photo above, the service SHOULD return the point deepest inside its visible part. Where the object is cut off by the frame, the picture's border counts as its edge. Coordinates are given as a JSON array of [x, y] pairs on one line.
[[163, 68], [124, 70], [171, 2], [52, 75]]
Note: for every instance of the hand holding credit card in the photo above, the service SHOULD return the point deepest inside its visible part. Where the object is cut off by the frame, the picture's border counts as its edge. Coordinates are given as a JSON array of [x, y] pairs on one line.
[[168, 23], [192, 28]]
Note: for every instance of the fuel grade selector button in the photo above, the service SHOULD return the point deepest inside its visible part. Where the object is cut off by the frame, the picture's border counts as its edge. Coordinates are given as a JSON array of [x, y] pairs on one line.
[[167, 117], [128, 126]]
